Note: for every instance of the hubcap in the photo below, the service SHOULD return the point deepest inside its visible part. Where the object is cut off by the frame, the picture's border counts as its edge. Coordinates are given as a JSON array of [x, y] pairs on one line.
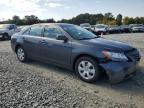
[[86, 69], [20, 53]]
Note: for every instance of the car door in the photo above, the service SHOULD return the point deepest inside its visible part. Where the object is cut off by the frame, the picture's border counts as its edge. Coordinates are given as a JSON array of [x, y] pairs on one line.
[[32, 39], [56, 51]]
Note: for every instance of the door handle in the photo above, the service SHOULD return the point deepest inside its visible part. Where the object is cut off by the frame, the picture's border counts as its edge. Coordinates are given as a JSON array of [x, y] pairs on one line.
[[42, 42]]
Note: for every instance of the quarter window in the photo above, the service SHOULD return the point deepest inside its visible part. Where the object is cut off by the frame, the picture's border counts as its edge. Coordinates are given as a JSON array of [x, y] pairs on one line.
[[52, 32], [26, 32], [36, 31]]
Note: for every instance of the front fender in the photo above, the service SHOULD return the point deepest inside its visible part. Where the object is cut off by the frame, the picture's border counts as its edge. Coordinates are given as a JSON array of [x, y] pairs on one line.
[[85, 51]]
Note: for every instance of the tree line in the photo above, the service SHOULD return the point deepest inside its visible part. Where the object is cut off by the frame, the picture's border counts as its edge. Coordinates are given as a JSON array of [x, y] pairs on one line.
[[107, 18]]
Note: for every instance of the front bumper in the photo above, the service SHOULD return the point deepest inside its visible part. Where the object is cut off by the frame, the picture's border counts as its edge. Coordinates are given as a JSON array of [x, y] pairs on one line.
[[100, 32], [119, 71]]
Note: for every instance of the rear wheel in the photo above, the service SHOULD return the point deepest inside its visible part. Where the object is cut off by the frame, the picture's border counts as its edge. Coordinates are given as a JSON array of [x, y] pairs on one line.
[[21, 55], [87, 69]]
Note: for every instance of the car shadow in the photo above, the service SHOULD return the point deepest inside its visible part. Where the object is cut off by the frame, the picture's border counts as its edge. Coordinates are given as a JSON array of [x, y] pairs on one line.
[[134, 85]]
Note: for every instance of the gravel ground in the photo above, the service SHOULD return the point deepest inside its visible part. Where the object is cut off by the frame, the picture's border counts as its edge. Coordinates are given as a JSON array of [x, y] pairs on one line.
[[40, 85]]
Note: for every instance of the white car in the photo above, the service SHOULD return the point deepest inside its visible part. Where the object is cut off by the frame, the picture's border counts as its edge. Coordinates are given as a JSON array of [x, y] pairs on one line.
[[86, 26], [100, 28], [7, 30]]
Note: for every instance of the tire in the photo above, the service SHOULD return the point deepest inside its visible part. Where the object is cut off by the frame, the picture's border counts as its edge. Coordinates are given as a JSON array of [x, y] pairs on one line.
[[21, 55], [87, 69]]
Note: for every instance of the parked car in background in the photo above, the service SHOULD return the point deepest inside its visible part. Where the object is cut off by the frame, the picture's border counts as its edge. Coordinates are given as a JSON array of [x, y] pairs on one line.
[[7, 30], [132, 25], [114, 29], [75, 48], [20, 28], [125, 29], [100, 29], [137, 28], [86, 26]]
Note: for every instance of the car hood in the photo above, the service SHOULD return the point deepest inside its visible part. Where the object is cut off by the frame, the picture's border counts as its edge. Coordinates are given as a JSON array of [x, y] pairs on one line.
[[2, 30], [106, 44]]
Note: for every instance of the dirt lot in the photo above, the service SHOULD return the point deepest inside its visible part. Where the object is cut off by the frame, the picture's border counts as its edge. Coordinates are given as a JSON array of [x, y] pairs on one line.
[[41, 85]]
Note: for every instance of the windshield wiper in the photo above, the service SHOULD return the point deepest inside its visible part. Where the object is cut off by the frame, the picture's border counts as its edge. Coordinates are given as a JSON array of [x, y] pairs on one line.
[[88, 38], [96, 37]]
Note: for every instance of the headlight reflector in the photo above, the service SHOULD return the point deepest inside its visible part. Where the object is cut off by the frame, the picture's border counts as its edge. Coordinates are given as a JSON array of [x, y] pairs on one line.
[[115, 56]]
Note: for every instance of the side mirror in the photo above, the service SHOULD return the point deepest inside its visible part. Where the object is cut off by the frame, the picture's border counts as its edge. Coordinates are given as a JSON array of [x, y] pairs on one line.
[[62, 37]]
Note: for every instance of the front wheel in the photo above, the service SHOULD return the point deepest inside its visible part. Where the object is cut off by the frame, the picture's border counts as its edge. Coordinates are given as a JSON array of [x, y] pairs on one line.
[[21, 55], [87, 69]]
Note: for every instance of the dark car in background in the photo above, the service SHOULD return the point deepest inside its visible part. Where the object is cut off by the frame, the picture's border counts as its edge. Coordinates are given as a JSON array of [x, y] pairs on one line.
[[114, 29], [75, 48], [125, 29]]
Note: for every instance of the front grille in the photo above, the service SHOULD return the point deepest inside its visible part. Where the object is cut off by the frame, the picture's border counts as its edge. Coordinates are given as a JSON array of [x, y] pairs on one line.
[[133, 55]]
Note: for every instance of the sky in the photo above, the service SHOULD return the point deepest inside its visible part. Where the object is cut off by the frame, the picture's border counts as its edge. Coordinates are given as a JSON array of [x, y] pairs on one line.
[[59, 9]]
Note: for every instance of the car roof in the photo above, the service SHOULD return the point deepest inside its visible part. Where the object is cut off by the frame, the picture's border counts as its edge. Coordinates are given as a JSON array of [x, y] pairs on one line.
[[58, 24]]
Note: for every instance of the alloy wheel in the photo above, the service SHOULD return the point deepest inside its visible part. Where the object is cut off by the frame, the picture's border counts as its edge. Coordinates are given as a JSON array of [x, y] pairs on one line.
[[20, 54], [86, 70]]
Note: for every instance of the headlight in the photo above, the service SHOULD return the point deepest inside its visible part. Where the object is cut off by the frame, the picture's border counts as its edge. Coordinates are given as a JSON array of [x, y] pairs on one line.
[[115, 56]]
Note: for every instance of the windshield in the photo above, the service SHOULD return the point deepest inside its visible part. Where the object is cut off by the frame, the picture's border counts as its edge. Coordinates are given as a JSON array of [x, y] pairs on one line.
[[77, 32], [4, 26]]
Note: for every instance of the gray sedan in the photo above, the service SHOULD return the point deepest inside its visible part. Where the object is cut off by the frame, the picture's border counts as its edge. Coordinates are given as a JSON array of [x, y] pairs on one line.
[[75, 48]]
